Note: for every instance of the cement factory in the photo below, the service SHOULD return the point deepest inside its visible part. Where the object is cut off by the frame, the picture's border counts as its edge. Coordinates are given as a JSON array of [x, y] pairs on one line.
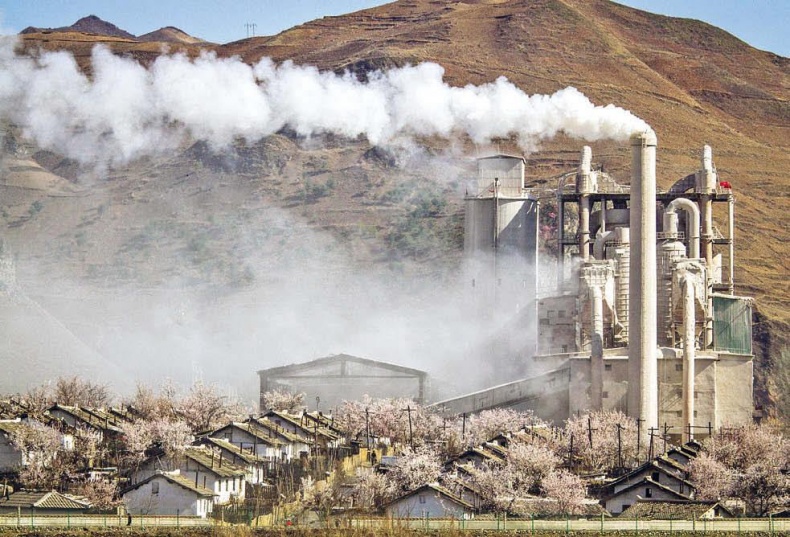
[[643, 317]]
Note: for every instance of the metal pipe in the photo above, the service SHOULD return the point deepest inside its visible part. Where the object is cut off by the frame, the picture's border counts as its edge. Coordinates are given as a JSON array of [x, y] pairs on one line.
[[596, 355], [707, 188], [731, 233], [689, 355], [692, 223], [642, 348], [600, 245], [583, 187]]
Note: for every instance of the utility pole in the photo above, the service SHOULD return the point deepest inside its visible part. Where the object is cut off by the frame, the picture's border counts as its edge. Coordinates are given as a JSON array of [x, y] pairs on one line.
[[367, 429], [619, 446], [463, 426], [250, 27], [590, 430], [664, 436], [411, 438], [638, 437]]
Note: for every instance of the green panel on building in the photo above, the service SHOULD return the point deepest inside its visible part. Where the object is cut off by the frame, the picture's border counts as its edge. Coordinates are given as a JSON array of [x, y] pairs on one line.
[[732, 324]]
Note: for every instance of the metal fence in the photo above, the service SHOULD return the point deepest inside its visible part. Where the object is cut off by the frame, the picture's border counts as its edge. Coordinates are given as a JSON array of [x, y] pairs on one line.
[[732, 525], [106, 521]]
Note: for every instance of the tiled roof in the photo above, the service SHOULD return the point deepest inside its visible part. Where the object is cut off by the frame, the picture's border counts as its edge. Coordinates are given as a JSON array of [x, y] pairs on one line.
[[263, 435], [92, 418], [666, 510], [265, 424], [309, 429], [223, 444], [437, 488], [648, 481], [42, 500], [176, 479], [10, 426], [213, 462]]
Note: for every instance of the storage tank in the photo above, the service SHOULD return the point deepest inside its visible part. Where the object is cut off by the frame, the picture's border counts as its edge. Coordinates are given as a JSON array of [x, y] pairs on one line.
[[501, 244]]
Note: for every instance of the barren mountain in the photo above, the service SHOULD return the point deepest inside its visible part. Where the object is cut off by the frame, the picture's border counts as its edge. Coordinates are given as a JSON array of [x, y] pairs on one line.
[[692, 82]]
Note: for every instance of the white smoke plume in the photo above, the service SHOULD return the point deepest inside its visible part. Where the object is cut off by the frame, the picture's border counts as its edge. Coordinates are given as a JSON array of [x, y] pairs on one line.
[[124, 110]]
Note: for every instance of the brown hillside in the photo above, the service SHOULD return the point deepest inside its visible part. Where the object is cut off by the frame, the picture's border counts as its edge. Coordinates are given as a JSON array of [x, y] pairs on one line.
[[692, 82]]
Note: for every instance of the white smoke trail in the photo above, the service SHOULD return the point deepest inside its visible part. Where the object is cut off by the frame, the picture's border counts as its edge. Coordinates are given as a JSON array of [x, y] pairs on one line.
[[126, 111]]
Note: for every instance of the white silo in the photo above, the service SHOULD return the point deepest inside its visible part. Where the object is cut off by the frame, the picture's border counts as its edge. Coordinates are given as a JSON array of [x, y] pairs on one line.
[[500, 247]]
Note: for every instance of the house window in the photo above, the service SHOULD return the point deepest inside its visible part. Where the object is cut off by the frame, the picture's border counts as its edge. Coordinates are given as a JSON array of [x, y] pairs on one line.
[[678, 367], [605, 395], [422, 498], [561, 314], [155, 487], [607, 367], [654, 476], [564, 348], [648, 492]]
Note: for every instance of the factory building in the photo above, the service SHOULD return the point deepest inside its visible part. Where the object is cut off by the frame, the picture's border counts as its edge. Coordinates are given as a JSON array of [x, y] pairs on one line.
[[327, 382], [644, 316]]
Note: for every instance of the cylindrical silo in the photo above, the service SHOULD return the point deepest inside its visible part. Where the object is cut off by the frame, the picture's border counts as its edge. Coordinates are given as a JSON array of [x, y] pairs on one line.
[[668, 254]]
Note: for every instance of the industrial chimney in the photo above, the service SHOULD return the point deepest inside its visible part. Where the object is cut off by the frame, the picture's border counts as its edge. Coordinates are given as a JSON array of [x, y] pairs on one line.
[[642, 348]]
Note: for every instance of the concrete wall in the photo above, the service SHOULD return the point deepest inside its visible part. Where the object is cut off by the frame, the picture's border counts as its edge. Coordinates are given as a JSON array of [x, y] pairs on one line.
[[170, 500], [557, 325]]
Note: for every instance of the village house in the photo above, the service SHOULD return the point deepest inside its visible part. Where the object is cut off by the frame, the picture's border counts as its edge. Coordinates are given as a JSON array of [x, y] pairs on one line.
[[477, 457], [204, 468], [308, 430], [429, 501], [646, 489], [255, 467], [245, 436], [168, 493], [663, 473], [294, 446], [41, 503], [74, 418]]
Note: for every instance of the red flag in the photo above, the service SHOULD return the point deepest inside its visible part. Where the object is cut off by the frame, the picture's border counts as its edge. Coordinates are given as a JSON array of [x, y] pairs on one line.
[[725, 184]]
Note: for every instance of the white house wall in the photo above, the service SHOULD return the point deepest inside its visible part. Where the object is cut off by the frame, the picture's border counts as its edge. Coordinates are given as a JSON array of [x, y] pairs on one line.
[[171, 500]]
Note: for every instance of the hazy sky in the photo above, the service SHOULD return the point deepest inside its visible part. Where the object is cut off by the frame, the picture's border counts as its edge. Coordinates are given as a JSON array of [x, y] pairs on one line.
[[761, 23]]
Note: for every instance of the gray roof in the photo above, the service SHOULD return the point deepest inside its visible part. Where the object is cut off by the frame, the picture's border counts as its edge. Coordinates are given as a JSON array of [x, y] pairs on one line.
[[670, 510], [306, 366], [176, 479], [42, 500]]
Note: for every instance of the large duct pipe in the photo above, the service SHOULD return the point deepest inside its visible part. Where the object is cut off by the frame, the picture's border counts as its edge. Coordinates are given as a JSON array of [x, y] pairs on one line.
[[596, 355], [600, 244], [689, 355], [692, 223], [642, 349]]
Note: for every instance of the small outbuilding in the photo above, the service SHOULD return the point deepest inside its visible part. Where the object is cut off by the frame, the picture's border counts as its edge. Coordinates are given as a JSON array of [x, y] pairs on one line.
[[429, 501], [50, 502], [168, 494]]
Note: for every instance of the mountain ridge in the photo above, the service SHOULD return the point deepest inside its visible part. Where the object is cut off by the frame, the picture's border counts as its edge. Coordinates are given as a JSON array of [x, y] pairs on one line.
[[694, 83]]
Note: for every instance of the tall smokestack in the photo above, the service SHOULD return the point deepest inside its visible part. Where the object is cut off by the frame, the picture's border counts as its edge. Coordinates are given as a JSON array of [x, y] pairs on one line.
[[642, 348]]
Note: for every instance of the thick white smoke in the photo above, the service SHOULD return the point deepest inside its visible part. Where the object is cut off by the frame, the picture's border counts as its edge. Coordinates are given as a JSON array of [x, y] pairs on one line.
[[126, 111]]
